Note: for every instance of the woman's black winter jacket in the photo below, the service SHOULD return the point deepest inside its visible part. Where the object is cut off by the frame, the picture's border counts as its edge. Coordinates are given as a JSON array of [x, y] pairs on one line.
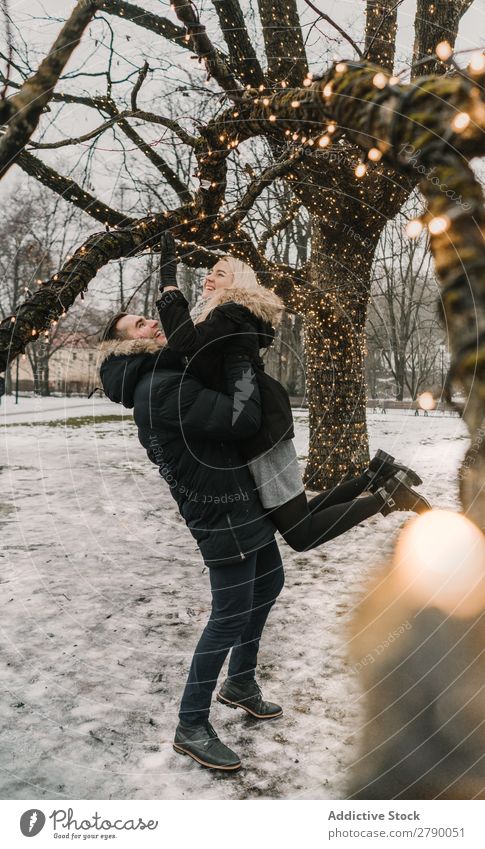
[[203, 345], [191, 433]]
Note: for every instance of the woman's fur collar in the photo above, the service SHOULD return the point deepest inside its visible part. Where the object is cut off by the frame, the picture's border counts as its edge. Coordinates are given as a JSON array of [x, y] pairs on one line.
[[120, 347], [262, 302]]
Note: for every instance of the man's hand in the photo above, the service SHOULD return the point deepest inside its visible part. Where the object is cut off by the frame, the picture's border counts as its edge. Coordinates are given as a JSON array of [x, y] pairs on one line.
[[168, 263]]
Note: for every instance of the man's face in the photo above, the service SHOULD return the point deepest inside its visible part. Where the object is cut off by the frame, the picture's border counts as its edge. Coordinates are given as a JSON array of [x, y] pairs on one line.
[[139, 327]]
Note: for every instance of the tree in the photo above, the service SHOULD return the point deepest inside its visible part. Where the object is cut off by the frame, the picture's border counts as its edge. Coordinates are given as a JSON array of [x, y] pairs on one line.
[[35, 238], [356, 110], [402, 324]]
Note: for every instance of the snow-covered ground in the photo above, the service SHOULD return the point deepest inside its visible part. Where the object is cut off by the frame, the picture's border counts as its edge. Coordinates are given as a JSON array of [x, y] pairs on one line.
[[34, 409], [103, 597]]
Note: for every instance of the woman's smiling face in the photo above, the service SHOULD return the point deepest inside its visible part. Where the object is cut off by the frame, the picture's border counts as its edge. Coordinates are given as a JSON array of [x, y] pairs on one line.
[[220, 277]]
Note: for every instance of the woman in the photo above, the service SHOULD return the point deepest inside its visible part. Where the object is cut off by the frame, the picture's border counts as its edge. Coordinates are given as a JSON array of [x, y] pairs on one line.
[[236, 303]]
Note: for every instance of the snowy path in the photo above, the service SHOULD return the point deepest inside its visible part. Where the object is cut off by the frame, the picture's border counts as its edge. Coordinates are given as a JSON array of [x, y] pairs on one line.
[[103, 596]]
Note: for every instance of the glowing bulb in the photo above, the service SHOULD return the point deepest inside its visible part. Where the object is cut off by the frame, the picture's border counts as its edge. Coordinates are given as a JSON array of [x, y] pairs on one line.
[[444, 50], [414, 228], [328, 90], [295, 104], [460, 122], [440, 562], [439, 225], [477, 62], [341, 67], [426, 401], [331, 127], [375, 155], [380, 80], [361, 170], [324, 141]]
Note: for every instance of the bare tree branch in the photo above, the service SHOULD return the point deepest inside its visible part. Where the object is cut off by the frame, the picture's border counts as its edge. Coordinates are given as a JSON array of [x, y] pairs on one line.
[[435, 22], [150, 117], [279, 225], [154, 23], [241, 51], [336, 26], [283, 39], [380, 32], [258, 185], [8, 58], [26, 107], [70, 190], [167, 172], [215, 64], [139, 82]]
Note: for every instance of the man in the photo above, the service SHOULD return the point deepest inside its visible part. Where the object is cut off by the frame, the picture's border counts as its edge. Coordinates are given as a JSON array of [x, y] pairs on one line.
[[191, 433]]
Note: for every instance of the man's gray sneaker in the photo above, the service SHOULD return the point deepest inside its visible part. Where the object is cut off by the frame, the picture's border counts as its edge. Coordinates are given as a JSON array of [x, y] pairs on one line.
[[202, 744], [247, 695]]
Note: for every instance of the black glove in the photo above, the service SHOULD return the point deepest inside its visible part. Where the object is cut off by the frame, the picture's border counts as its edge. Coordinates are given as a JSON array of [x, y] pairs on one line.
[[168, 262], [244, 343]]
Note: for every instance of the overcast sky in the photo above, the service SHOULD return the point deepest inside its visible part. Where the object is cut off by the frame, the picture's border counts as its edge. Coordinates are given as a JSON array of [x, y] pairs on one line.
[[39, 22]]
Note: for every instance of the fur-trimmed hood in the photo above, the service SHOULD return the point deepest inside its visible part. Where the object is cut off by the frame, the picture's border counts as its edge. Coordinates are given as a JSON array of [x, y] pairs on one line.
[[263, 303], [126, 347], [123, 362]]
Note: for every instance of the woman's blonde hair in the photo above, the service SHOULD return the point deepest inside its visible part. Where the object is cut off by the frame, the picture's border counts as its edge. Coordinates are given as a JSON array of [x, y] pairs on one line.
[[243, 277]]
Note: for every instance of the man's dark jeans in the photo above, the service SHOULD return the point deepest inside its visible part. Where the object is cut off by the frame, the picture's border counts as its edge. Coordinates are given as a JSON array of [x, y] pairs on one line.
[[242, 597]]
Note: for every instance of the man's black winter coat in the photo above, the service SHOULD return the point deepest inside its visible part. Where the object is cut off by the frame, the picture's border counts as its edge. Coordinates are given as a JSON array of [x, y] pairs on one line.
[[191, 434]]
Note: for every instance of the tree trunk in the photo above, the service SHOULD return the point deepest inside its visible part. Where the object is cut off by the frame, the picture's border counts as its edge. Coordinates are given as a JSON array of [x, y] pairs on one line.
[[44, 377], [334, 333], [8, 381]]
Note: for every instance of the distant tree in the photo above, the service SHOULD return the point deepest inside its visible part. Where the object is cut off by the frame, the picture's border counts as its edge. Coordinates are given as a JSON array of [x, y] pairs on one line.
[[35, 238], [403, 328]]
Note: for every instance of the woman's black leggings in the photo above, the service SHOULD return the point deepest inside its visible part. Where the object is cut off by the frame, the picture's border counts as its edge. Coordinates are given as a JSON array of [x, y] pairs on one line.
[[305, 524]]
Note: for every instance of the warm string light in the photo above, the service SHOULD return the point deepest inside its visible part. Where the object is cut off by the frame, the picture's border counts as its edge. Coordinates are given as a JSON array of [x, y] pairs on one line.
[[444, 51], [414, 228], [375, 155], [380, 80], [477, 62], [460, 122], [439, 225]]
